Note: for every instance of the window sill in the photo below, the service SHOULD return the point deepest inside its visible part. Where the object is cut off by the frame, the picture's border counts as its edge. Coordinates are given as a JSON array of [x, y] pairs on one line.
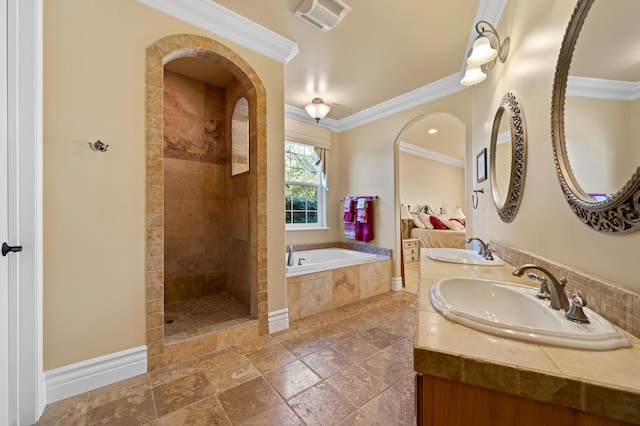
[[317, 228]]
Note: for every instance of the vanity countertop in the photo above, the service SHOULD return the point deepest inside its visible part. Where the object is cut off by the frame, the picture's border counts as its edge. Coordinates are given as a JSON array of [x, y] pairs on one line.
[[605, 383]]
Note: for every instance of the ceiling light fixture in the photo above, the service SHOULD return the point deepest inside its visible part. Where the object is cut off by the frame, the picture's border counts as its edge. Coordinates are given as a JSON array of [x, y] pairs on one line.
[[432, 131], [317, 109], [483, 54]]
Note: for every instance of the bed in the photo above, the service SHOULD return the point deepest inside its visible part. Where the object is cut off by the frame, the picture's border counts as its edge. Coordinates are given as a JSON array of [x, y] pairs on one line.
[[431, 238]]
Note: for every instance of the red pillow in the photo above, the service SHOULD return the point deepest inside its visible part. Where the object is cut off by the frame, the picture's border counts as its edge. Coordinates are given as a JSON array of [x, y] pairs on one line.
[[460, 222], [437, 223]]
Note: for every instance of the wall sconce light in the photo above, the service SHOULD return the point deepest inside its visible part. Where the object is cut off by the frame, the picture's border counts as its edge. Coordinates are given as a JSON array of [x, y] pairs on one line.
[[483, 54], [317, 109]]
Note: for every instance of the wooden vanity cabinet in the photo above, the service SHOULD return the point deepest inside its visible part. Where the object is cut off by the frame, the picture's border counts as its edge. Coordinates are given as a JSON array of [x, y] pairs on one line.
[[444, 402]]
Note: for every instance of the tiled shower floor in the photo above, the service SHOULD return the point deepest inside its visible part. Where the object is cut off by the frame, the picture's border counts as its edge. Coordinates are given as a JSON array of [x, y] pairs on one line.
[[191, 317]]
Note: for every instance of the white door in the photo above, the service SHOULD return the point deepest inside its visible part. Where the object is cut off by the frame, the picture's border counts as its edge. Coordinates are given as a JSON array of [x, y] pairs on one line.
[[4, 269], [21, 378]]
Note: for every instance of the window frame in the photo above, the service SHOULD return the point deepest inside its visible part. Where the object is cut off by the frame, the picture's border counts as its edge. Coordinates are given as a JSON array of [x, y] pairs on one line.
[[321, 191]]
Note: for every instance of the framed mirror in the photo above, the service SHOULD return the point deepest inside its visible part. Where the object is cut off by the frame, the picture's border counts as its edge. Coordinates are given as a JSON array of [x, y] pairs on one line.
[[508, 156], [594, 110]]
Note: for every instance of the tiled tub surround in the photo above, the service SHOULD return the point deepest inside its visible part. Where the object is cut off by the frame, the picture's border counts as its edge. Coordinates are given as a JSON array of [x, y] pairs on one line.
[[311, 293], [600, 383]]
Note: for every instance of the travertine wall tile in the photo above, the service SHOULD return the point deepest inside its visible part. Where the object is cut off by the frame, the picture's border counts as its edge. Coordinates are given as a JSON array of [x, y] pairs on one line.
[[346, 286]]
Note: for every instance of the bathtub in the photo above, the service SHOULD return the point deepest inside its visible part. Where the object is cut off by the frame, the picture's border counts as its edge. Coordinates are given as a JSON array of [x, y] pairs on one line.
[[326, 259]]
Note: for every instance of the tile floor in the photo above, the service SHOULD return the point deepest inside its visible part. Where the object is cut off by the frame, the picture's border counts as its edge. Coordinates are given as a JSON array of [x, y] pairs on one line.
[[201, 315], [351, 365]]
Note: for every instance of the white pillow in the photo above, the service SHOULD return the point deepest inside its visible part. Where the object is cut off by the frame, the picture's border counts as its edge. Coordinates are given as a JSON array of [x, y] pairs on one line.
[[444, 218], [425, 218], [454, 225], [417, 221]]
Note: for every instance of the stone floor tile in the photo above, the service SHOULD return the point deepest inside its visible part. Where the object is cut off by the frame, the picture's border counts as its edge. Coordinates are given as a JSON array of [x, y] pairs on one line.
[[358, 418], [173, 372], [255, 344], [384, 367], [326, 362], [291, 360], [205, 412], [271, 357], [172, 396], [378, 337], [66, 410], [248, 400], [357, 385], [136, 408], [292, 378], [355, 348], [231, 373], [118, 390], [280, 415], [385, 408], [321, 405], [305, 344]]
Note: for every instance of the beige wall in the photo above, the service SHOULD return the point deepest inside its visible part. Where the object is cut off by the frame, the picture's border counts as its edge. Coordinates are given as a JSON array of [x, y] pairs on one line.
[[424, 181], [368, 163], [544, 224], [94, 209]]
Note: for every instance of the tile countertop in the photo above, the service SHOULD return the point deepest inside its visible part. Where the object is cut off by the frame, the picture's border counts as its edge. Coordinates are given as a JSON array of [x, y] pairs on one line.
[[605, 383]]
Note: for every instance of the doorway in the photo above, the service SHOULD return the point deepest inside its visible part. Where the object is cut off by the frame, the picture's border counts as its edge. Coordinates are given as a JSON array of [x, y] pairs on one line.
[[430, 171]]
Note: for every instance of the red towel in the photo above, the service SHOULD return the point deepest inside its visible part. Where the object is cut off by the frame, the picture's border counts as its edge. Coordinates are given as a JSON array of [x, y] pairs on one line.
[[364, 230], [349, 203]]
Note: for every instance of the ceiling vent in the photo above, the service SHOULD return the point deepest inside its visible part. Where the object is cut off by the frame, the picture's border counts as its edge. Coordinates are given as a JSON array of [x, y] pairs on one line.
[[322, 14]]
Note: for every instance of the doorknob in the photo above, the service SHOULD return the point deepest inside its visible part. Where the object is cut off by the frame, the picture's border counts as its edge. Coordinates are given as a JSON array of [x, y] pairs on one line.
[[6, 248]]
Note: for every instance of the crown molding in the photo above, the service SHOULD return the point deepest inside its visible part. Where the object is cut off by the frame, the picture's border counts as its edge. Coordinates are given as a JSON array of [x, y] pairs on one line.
[[503, 137], [422, 95], [436, 90], [408, 148], [586, 87], [219, 20]]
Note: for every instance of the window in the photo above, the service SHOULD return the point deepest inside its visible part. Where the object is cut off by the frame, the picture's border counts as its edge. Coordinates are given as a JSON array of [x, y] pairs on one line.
[[304, 192]]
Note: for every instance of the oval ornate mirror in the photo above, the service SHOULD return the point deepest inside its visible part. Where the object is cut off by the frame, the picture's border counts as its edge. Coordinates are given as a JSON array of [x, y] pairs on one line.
[[596, 141], [508, 156]]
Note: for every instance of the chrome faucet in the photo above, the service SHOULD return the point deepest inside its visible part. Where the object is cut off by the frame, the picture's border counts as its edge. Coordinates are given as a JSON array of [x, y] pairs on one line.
[[290, 257], [558, 296], [484, 251]]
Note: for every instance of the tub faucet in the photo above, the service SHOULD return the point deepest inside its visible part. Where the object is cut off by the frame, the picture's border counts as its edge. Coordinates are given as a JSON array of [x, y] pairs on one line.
[[290, 257], [559, 298], [484, 251]]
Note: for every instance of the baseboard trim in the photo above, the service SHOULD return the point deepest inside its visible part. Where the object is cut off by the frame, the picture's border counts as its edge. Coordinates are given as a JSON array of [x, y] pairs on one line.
[[74, 379], [396, 284], [278, 320]]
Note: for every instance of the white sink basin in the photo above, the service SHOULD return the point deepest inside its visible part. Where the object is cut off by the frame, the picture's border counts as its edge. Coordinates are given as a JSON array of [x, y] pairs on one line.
[[456, 255], [512, 311]]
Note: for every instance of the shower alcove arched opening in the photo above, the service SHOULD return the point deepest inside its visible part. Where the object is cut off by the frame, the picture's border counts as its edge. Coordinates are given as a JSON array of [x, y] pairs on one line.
[[228, 201]]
